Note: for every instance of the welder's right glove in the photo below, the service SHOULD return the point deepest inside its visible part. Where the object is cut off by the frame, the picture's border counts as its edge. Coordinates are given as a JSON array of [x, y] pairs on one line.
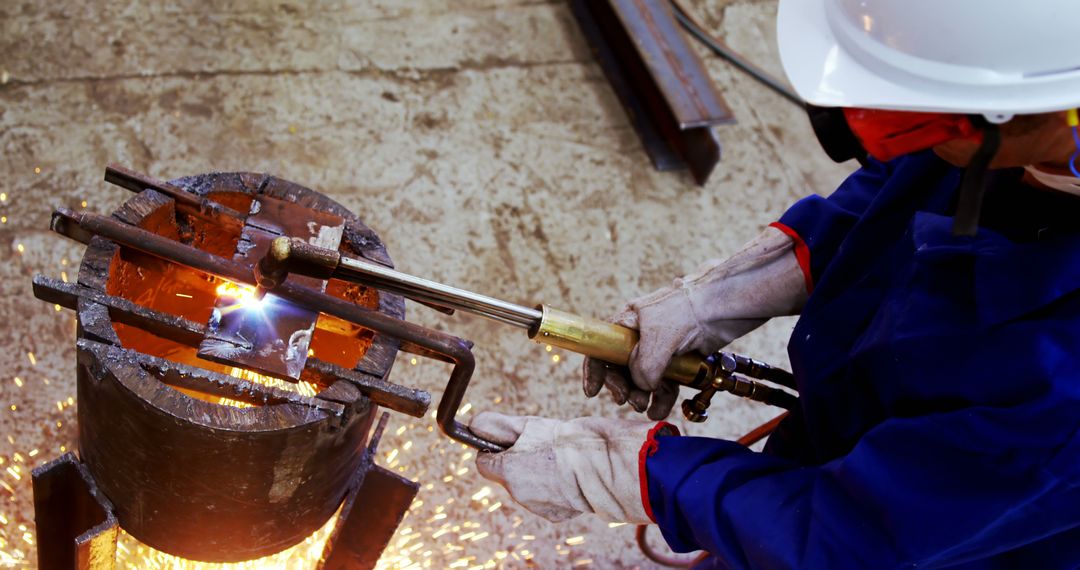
[[703, 312]]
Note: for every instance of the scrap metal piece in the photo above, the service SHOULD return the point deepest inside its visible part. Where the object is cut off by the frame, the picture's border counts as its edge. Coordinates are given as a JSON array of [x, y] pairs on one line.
[[364, 529], [660, 81], [76, 527], [270, 335]]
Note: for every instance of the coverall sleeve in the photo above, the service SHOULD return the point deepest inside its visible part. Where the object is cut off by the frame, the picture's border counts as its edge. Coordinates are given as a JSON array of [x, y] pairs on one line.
[[819, 224], [924, 491]]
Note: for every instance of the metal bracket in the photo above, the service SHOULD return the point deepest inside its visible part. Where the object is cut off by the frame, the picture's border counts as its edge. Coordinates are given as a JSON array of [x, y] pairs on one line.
[[377, 501], [76, 527]]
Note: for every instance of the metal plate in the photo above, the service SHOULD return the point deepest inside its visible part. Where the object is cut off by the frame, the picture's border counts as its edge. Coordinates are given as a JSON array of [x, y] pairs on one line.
[[272, 336]]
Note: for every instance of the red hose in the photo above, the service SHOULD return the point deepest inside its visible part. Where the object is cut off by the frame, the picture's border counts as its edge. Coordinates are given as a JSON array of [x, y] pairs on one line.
[[662, 559], [762, 431]]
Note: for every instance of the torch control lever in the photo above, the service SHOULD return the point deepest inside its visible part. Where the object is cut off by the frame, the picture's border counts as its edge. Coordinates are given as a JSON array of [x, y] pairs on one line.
[[591, 337]]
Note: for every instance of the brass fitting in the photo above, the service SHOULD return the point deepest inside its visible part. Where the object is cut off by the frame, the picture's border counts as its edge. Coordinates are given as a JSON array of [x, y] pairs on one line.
[[696, 409], [612, 343]]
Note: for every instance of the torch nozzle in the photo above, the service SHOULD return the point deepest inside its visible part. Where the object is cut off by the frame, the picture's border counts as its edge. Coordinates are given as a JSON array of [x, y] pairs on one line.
[[273, 268], [293, 255]]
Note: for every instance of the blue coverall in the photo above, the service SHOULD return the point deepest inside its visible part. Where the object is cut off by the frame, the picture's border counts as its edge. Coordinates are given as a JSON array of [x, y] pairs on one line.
[[939, 381]]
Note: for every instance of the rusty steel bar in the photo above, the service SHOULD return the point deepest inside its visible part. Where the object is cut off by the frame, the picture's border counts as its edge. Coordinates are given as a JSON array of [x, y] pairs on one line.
[[408, 401], [186, 202], [455, 349], [216, 384], [168, 326], [680, 76], [386, 394]]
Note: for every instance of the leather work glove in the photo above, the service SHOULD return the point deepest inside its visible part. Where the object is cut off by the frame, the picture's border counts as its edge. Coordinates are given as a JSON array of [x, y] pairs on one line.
[[703, 312], [559, 469]]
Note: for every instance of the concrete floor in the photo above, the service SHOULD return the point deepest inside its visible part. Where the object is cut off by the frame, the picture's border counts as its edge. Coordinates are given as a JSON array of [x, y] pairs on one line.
[[477, 137]]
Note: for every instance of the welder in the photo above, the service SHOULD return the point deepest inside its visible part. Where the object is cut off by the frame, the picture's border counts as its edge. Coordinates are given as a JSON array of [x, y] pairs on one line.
[[937, 351]]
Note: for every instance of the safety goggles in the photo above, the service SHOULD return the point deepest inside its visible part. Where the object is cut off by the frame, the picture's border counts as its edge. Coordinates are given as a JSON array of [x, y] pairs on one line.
[[848, 132]]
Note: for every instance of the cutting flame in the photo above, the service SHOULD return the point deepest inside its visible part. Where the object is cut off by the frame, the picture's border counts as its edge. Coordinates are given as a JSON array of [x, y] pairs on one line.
[[244, 298], [242, 295]]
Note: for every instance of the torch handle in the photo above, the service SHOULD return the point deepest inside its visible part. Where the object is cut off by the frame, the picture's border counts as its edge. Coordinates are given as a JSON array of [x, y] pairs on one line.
[[613, 343]]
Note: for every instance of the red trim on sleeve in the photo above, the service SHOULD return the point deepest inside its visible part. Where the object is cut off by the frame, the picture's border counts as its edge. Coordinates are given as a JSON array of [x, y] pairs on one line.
[[647, 450], [802, 253]]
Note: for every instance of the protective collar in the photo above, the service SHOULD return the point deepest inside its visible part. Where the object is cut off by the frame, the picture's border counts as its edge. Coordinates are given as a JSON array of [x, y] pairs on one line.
[[1063, 182]]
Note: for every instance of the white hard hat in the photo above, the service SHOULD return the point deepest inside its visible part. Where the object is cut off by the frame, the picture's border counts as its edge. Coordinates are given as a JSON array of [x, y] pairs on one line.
[[995, 57]]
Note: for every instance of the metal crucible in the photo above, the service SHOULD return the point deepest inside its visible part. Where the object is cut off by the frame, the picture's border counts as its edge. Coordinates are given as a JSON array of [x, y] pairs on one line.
[[224, 459]]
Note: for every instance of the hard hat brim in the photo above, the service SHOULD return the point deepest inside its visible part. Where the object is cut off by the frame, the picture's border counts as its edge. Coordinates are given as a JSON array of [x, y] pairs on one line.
[[826, 74]]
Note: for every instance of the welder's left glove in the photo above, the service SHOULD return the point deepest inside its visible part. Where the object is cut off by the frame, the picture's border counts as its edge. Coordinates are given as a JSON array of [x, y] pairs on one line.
[[559, 469]]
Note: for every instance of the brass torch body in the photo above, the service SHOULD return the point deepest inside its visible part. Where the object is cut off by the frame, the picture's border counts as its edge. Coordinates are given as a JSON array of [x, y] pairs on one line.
[[611, 343]]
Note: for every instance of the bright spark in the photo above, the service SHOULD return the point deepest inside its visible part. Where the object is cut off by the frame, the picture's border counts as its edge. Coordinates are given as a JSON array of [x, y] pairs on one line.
[[243, 297]]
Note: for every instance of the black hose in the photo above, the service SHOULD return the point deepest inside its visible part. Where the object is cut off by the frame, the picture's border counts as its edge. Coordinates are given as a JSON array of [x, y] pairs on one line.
[[735, 58]]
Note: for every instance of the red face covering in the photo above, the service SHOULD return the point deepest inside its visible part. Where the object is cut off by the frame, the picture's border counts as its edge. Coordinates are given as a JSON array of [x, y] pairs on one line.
[[888, 134]]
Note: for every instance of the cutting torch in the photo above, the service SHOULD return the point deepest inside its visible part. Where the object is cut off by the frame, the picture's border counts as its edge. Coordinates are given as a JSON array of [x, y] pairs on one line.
[[608, 342]]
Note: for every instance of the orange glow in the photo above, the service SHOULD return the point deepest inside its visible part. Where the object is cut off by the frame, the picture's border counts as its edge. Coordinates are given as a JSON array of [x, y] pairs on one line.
[[303, 388], [130, 553]]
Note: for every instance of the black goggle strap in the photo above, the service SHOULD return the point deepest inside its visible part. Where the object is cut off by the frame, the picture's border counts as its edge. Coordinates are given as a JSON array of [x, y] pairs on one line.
[[833, 132], [973, 182]]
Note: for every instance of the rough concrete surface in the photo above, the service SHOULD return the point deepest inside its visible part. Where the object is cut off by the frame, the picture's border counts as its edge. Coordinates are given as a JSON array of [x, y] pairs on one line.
[[477, 137]]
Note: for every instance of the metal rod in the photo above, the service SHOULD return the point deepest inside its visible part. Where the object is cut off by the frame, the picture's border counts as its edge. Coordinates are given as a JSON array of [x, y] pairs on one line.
[[209, 382], [189, 333], [392, 396], [419, 288], [185, 201]]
